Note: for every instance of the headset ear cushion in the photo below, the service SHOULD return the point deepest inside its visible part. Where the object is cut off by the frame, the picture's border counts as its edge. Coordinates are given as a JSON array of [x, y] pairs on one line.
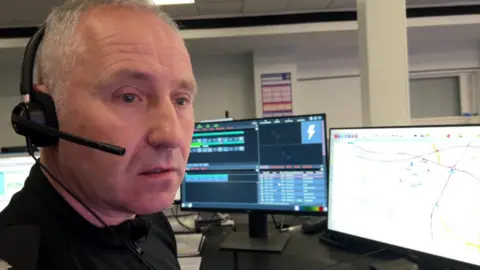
[[42, 112], [20, 112], [24, 113], [45, 101]]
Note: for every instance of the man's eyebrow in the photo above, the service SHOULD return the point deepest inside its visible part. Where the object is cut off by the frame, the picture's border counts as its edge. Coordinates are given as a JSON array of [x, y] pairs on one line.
[[134, 74], [110, 77], [189, 84]]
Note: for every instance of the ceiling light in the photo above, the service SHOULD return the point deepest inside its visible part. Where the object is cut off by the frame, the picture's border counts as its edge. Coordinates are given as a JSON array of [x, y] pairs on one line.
[[173, 2]]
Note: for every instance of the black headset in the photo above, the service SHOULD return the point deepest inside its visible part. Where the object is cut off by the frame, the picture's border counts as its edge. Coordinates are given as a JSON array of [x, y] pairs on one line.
[[36, 117], [37, 107]]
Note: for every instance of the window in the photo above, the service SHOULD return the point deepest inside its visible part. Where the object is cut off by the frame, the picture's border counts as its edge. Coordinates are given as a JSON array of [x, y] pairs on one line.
[[435, 97]]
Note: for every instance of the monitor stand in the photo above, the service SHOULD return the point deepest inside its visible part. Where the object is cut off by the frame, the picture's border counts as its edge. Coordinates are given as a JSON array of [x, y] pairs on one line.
[[257, 238]]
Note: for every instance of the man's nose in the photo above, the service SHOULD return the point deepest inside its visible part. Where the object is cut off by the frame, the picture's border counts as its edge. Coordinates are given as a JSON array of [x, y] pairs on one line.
[[165, 127]]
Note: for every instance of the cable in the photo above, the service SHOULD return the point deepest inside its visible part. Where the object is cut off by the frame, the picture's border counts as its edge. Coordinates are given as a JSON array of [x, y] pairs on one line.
[[355, 259], [281, 224], [129, 247], [192, 230], [275, 222], [175, 215], [282, 227], [206, 228]]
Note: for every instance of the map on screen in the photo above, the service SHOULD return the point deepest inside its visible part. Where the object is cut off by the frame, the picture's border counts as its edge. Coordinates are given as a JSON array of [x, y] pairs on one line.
[[415, 187]]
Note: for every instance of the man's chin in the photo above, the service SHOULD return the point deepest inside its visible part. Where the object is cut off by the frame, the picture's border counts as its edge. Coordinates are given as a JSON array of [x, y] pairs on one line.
[[149, 207]]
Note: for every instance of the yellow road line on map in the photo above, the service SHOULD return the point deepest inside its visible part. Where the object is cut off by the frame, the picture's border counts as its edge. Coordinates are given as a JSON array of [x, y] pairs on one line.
[[449, 231], [437, 154]]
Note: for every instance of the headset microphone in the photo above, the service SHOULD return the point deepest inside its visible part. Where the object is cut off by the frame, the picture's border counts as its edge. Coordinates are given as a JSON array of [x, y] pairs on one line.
[[21, 125]]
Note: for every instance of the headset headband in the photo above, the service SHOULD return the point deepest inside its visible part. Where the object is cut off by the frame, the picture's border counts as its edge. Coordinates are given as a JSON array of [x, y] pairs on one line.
[[28, 65]]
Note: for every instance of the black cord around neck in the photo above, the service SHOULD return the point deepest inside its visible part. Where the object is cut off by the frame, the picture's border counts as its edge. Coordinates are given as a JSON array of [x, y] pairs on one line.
[[129, 247]]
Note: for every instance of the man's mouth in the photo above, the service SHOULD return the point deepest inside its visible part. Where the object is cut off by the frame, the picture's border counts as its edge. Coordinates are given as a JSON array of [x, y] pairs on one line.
[[157, 171]]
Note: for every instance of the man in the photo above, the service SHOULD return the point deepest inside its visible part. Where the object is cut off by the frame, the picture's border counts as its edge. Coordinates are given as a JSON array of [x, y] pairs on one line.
[[118, 72]]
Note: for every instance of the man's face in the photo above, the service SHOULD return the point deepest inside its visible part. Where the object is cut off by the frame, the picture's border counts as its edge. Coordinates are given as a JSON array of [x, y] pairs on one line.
[[133, 86]]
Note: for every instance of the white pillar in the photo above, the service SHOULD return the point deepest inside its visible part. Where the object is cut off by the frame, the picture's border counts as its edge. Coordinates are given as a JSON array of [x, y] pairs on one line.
[[383, 51]]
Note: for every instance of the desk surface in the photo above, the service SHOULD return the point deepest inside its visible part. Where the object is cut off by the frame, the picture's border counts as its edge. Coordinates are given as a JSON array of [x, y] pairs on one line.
[[302, 250]]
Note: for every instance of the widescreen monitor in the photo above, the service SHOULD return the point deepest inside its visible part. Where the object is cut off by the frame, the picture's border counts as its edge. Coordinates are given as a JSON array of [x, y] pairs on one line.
[[268, 165], [411, 187], [14, 169]]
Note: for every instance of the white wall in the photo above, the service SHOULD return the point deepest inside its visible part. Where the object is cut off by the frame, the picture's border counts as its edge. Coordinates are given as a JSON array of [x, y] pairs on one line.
[[338, 97], [225, 83], [329, 81]]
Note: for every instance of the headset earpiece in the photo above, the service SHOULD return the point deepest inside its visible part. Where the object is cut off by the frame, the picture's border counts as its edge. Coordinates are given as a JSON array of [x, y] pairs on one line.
[[38, 107], [41, 111]]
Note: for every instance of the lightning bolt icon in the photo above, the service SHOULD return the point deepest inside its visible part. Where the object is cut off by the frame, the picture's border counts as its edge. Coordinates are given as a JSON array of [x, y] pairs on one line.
[[311, 131]]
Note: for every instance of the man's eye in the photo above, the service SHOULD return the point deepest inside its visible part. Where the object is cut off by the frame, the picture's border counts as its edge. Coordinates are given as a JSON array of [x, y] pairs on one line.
[[182, 101], [129, 98]]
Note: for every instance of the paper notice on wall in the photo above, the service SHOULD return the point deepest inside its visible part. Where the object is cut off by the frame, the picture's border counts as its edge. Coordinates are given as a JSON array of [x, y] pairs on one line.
[[276, 94]]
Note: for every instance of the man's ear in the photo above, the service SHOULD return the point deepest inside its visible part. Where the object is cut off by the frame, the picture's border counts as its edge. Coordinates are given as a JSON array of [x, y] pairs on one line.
[[41, 88]]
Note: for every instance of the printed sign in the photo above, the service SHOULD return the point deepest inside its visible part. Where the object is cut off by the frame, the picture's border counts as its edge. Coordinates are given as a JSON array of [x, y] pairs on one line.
[[277, 94]]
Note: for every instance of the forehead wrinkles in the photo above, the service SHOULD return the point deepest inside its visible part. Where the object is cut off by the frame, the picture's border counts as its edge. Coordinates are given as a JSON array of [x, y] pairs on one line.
[[117, 36], [154, 42]]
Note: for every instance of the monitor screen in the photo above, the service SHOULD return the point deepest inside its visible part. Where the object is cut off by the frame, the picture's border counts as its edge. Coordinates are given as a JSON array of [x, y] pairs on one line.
[[270, 164], [14, 169], [411, 187]]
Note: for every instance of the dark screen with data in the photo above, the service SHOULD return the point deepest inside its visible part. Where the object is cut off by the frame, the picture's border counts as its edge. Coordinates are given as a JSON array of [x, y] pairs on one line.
[[271, 164]]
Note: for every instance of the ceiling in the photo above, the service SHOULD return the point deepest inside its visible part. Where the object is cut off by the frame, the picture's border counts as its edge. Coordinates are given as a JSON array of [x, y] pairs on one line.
[[222, 8], [19, 13]]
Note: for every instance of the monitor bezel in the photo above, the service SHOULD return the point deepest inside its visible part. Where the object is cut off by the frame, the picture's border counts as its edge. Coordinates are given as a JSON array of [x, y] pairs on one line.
[[17, 151], [415, 254], [270, 211]]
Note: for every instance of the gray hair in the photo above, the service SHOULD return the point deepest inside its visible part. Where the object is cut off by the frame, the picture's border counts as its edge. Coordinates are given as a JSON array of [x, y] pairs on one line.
[[61, 45]]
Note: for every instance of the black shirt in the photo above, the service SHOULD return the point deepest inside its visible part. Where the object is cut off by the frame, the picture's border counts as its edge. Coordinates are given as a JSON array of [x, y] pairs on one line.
[[57, 237]]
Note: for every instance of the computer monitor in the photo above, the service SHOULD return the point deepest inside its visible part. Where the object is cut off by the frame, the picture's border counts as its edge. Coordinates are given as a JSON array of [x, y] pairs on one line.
[[259, 166], [416, 188], [14, 169]]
